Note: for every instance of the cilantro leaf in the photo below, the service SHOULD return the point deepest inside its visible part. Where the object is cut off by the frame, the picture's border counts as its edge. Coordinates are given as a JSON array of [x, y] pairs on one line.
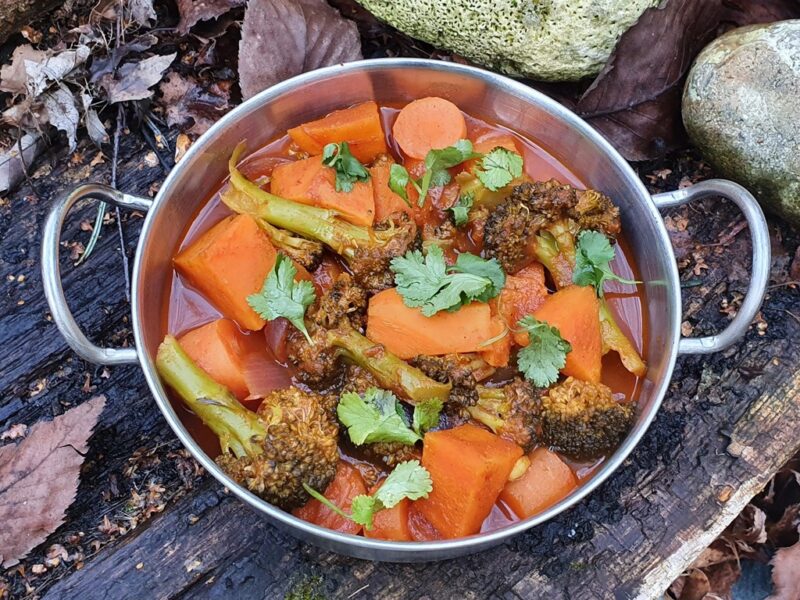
[[426, 415], [374, 417], [408, 480], [546, 352], [438, 161], [427, 283], [593, 256], [461, 209], [282, 296], [499, 168], [490, 269], [398, 180], [348, 169]]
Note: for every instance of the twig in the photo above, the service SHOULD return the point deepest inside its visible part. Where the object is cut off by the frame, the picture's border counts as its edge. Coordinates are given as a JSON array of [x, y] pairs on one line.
[[117, 132]]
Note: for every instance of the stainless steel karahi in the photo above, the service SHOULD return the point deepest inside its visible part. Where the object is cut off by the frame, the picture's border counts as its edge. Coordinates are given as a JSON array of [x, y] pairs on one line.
[[486, 95]]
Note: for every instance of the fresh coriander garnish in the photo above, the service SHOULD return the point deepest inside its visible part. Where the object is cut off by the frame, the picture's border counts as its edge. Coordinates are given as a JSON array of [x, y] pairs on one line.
[[546, 352], [438, 161], [282, 296], [408, 480], [377, 416], [499, 168], [428, 283], [461, 209], [398, 180], [592, 257], [348, 169]]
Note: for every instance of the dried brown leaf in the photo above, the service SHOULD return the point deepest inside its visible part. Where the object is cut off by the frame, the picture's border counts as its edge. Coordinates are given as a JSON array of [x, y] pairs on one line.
[[133, 80], [190, 106], [62, 113], [786, 574], [193, 11], [283, 38], [142, 11], [39, 478], [635, 100]]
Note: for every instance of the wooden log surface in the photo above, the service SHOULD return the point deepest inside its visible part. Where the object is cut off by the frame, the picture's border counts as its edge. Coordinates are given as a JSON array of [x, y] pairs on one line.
[[148, 523]]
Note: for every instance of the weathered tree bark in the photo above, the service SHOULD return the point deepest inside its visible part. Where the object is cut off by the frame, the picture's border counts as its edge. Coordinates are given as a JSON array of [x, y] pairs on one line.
[[15, 14]]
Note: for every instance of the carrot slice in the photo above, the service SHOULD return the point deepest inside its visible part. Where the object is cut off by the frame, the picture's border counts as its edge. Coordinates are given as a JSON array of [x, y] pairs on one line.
[[428, 124], [469, 467], [310, 182], [574, 311], [406, 332], [386, 201], [547, 480], [219, 348], [359, 126], [522, 294], [498, 353], [390, 523], [487, 142], [228, 263], [346, 485]]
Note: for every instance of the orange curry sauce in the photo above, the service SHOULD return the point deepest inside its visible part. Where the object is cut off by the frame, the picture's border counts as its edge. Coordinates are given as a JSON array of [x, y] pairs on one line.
[[188, 309]]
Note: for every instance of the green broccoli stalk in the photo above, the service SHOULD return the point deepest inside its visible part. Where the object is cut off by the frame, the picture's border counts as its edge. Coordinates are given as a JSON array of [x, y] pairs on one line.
[[290, 442], [391, 372], [367, 250], [239, 430]]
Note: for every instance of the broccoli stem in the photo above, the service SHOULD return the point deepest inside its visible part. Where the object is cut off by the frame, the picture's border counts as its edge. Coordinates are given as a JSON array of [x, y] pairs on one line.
[[238, 429], [614, 339], [391, 372], [482, 196], [310, 221]]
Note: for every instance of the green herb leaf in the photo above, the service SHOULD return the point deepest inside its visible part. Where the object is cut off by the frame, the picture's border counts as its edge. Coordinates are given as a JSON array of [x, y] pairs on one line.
[[438, 161], [348, 169], [593, 256], [426, 415], [408, 480], [499, 168], [427, 283], [282, 296], [545, 355], [377, 416], [490, 269], [398, 180], [461, 209]]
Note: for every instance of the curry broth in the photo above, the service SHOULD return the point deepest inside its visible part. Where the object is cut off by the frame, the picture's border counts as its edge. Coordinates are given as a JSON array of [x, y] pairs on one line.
[[186, 309]]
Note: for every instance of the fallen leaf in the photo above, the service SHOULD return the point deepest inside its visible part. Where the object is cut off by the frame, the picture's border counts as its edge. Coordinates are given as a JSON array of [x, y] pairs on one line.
[[94, 126], [50, 68], [786, 574], [39, 478], [193, 11], [13, 160], [191, 106], [62, 113], [142, 11], [133, 80], [13, 76], [635, 100], [102, 65], [283, 38]]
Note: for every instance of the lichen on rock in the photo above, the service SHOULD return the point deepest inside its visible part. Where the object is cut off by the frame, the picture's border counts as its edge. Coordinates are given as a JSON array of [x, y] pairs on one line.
[[555, 40]]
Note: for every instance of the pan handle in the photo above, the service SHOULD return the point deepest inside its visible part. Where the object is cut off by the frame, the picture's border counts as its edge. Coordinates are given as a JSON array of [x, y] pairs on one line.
[[761, 259], [51, 272]]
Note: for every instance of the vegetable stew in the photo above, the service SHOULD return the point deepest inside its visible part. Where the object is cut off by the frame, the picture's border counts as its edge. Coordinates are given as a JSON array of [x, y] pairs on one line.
[[405, 323]]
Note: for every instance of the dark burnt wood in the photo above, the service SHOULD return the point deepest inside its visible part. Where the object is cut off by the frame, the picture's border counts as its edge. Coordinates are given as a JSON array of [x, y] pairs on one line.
[[728, 422]]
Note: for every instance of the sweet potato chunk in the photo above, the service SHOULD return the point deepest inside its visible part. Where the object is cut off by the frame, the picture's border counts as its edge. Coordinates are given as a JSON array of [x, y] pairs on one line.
[[469, 467], [547, 480]]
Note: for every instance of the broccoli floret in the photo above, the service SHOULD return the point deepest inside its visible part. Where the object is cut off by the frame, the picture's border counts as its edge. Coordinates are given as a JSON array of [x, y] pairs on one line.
[[510, 411], [343, 301], [541, 221], [583, 420], [290, 441], [367, 250], [390, 454]]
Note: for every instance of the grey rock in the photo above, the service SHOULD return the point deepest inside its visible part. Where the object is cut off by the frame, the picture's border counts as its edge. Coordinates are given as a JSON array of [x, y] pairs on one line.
[[741, 108], [557, 40]]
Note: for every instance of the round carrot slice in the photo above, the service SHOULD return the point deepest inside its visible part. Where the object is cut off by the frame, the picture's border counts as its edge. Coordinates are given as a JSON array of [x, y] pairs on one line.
[[428, 124]]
